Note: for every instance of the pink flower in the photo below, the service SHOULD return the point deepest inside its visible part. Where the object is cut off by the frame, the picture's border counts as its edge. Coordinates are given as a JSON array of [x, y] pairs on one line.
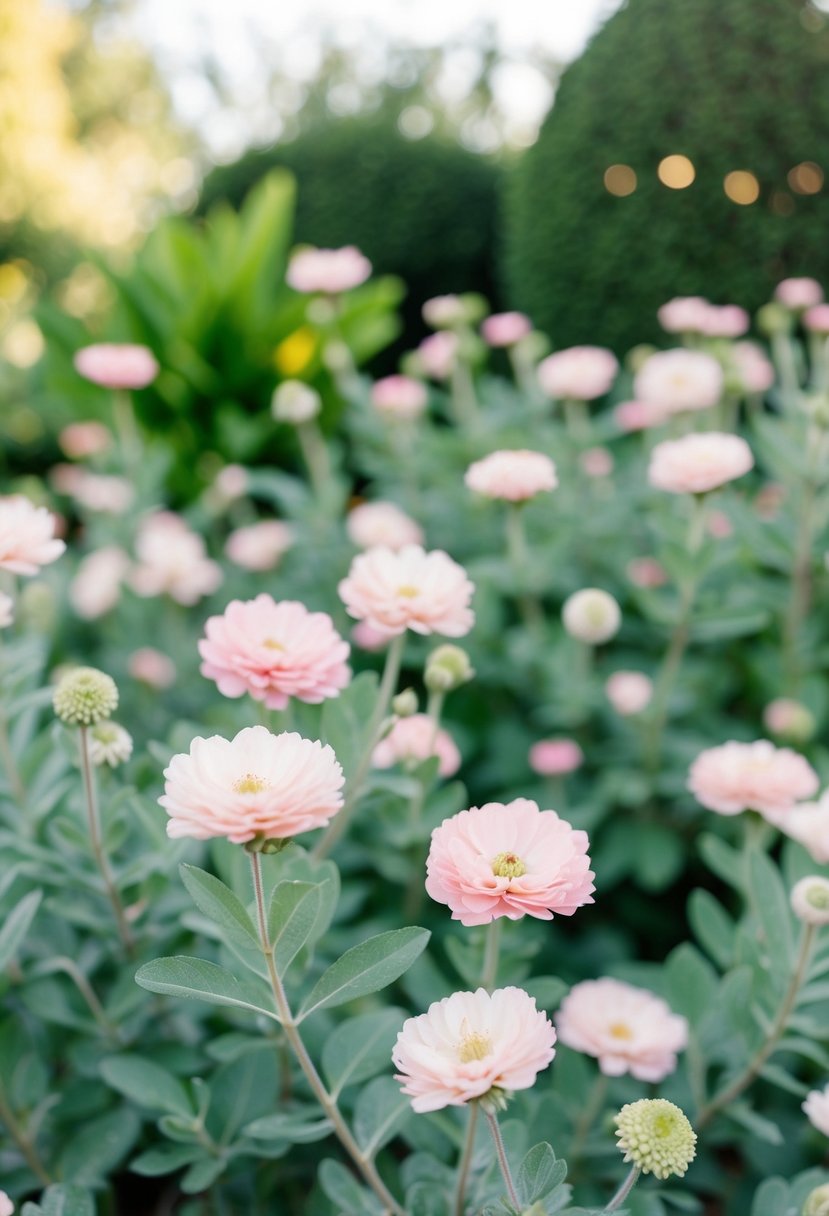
[[470, 1043], [382, 523], [790, 719], [259, 546], [677, 380], [27, 536], [816, 1109], [508, 860], [94, 491], [597, 462], [580, 373], [513, 476], [683, 315], [808, 824], [6, 1205], [330, 271], [638, 415], [627, 1029], [255, 786], [751, 776], [629, 692], [555, 757], [647, 572], [368, 638], [505, 328], [231, 482], [96, 588], [274, 651], [152, 667], [400, 397], [437, 354], [725, 321], [414, 739], [816, 319], [699, 462], [798, 294], [410, 589], [80, 439], [117, 365], [172, 560], [754, 370]]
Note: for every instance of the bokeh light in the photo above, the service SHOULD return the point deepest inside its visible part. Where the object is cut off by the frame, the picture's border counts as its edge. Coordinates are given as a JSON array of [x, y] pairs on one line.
[[676, 172], [741, 187], [620, 180], [806, 178]]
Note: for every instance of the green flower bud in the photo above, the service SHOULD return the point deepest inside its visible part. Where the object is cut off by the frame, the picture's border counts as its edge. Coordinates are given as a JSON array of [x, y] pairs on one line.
[[405, 703], [447, 668], [656, 1136], [85, 696], [817, 1202], [810, 900], [295, 402], [774, 319]]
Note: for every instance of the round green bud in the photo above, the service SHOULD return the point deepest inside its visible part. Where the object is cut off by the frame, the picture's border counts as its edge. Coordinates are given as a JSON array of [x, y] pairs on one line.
[[405, 703], [655, 1136], [774, 319], [447, 668], [810, 900], [817, 1202], [85, 696], [295, 402]]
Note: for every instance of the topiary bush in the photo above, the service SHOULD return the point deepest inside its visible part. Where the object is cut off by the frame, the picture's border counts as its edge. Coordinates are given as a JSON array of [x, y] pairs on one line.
[[722, 82]]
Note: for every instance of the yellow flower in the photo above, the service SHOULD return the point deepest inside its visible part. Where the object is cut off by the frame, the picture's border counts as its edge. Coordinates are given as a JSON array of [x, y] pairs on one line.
[[294, 353]]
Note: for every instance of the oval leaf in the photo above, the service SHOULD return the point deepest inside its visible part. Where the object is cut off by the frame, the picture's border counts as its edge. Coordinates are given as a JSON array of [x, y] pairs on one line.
[[198, 980], [366, 968]]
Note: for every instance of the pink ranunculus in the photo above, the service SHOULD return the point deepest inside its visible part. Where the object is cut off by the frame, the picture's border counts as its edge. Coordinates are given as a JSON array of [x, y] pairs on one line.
[[816, 1109], [505, 328], [152, 667], [117, 365], [470, 1043], [798, 294], [27, 536], [683, 315], [808, 824], [172, 560], [330, 271], [678, 380], [725, 321], [81, 439], [647, 572], [508, 860], [231, 482], [437, 354], [513, 475], [255, 786], [579, 373], [597, 462], [638, 416], [96, 588], [382, 523], [414, 739], [274, 651], [259, 546], [555, 757], [755, 370], [95, 491], [629, 692], [399, 397], [816, 319], [367, 638], [627, 1029], [755, 776], [409, 589], [699, 462]]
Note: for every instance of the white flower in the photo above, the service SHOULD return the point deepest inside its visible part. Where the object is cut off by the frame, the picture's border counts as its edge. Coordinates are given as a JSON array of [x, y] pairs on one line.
[[109, 744]]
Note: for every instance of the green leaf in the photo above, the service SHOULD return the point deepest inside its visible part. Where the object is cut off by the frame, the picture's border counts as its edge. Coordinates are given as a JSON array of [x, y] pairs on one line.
[[62, 1200], [165, 1159], [302, 1126], [16, 926], [360, 1048], [147, 1084], [539, 1174], [380, 1112], [345, 1192], [713, 927], [722, 859], [758, 1125], [217, 901], [99, 1147], [771, 1198], [692, 982], [366, 968], [292, 915], [198, 980], [202, 1174], [771, 906], [346, 719]]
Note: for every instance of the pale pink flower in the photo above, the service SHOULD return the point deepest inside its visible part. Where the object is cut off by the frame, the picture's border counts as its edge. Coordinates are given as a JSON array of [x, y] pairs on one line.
[[410, 589], [756, 776], [579, 373], [231, 482], [444, 312], [95, 491], [172, 560], [508, 860], [400, 397], [816, 319], [470, 1043], [683, 315], [647, 572], [816, 1109], [6, 610], [754, 369], [382, 523], [96, 588], [117, 365], [513, 475], [274, 651], [719, 525], [27, 536], [725, 321], [259, 546], [699, 462], [437, 354], [6, 1205], [808, 824], [414, 739], [638, 415], [330, 271], [254, 786], [505, 328], [368, 638], [627, 1029], [597, 462], [629, 692], [152, 667], [798, 294], [678, 380], [80, 439], [555, 757]]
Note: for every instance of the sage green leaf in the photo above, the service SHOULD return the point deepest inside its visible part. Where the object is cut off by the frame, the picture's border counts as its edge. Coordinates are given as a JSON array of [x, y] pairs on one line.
[[539, 1174], [62, 1200], [380, 1112], [360, 1048], [366, 968], [345, 1192], [147, 1084], [214, 899], [16, 926], [292, 915], [198, 980]]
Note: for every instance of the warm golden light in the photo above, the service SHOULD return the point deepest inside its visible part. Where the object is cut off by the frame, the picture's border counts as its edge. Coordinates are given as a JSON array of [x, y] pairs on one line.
[[806, 178], [676, 172], [742, 187], [619, 180]]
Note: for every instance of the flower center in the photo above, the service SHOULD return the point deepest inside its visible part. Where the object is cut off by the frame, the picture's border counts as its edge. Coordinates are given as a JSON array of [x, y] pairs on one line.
[[250, 784], [621, 1030], [272, 644], [508, 865], [408, 591], [474, 1046]]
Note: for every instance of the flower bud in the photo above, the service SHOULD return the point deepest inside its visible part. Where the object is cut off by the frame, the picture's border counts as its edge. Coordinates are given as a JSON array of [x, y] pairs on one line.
[[405, 703], [447, 668], [810, 900], [790, 720], [85, 696], [592, 616], [655, 1136], [109, 744], [295, 402], [774, 319], [817, 1202]]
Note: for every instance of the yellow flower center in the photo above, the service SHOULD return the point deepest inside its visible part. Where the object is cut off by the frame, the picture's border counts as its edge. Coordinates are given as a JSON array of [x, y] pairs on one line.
[[621, 1030], [272, 644], [250, 784], [474, 1046], [508, 865], [408, 591]]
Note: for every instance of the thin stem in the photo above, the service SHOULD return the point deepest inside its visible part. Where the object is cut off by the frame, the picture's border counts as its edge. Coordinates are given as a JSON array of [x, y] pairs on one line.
[[124, 418], [93, 818], [769, 1044], [388, 683], [585, 1121], [801, 580], [18, 790], [624, 1190], [577, 419], [315, 455], [363, 1162], [70, 968], [24, 1143], [465, 1162], [489, 975], [519, 558], [500, 1153], [464, 401]]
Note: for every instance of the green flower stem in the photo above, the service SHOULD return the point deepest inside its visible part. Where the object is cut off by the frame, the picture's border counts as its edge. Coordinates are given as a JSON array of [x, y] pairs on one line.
[[500, 1153], [414, 890], [363, 1162], [70, 968], [592, 1110], [18, 790], [24, 1142], [577, 420], [518, 554], [94, 821], [489, 975], [388, 683], [315, 455], [624, 1190], [782, 352], [465, 410], [465, 1163], [123, 416], [769, 1044]]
